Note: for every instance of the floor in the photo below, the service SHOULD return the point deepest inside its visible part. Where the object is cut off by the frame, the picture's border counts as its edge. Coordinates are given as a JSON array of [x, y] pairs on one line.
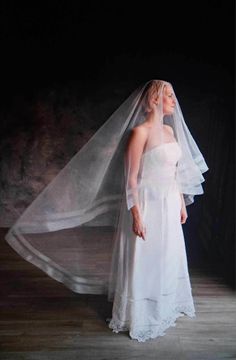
[[42, 319]]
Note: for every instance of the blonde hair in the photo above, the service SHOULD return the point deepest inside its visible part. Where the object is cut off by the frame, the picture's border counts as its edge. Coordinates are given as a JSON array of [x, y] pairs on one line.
[[152, 88]]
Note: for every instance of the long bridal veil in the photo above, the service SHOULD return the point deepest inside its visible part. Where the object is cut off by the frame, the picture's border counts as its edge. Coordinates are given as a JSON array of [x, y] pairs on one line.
[[68, 231]]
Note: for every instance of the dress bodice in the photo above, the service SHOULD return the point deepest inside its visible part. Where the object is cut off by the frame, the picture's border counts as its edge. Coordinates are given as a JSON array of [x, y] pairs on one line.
[[158, 164]]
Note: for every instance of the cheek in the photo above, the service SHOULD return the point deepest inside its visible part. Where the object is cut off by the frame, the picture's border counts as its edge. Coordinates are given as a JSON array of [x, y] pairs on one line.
[[166, 102]]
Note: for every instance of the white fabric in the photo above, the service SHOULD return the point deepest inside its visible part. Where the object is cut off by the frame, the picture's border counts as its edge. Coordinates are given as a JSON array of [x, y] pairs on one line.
[[149, 280], [191, 164], [73, 228]]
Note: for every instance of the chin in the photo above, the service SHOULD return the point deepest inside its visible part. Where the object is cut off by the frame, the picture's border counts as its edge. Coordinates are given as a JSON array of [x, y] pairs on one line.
[[169, 112]]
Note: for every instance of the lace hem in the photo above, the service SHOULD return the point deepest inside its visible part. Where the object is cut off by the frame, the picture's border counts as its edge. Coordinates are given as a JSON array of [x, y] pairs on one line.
[[151, 331]]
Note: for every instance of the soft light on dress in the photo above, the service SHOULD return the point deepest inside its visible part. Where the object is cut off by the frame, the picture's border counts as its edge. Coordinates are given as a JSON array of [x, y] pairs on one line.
[[149, 281]]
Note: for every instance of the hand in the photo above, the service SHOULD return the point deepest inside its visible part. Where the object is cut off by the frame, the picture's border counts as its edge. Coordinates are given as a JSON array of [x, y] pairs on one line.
[[183, 214], [139, 229]]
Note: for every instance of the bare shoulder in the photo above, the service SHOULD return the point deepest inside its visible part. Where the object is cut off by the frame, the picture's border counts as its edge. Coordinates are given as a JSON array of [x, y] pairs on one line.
[[140, 131], [169, 128], [138, 135]]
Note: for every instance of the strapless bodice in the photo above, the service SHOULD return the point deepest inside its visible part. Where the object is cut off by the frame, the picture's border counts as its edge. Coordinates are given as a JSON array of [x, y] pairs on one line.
[[158, 164]]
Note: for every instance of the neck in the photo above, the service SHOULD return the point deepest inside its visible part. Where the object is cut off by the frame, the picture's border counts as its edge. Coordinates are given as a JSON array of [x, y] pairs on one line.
[[152, 118]]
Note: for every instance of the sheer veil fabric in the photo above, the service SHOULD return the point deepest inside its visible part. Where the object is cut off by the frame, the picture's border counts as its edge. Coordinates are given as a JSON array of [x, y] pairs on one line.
[[70, 229]]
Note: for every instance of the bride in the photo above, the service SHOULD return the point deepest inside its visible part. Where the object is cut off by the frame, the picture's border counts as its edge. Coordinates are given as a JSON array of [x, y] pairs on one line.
[[139, 138], [149, 278], [110, 222]]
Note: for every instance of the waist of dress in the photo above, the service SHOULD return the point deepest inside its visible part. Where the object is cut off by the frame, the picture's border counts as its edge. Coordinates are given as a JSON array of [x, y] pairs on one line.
[[159, 184], [158, 178], [154, 190]]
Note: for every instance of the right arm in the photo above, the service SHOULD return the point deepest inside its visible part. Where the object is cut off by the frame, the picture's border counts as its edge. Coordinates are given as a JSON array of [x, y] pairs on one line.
[[134, 152]]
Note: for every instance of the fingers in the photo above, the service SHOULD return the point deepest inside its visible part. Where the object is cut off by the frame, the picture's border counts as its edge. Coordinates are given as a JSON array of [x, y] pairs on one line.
[[183, 216], [142, 235], [141, 232], [183, 219]]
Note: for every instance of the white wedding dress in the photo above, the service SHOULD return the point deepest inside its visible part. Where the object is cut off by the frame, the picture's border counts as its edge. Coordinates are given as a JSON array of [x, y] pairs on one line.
[[149, 283]]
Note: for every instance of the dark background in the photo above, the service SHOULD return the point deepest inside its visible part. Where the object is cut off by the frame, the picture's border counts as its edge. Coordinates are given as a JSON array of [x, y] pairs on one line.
[[67, 65]]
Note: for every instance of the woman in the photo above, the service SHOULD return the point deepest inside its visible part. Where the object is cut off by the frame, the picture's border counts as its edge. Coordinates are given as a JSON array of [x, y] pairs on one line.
[[139, 138], [151, 287], [110, 221]]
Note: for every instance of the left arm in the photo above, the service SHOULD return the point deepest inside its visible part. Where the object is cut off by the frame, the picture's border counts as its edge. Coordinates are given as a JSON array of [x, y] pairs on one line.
[[183, 211]]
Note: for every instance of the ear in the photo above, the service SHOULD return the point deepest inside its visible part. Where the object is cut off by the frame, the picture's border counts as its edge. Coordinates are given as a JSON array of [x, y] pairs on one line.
[[157, 100]]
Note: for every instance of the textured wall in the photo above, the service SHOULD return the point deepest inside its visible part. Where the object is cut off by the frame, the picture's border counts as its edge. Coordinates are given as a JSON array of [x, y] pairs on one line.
[[40, 135]]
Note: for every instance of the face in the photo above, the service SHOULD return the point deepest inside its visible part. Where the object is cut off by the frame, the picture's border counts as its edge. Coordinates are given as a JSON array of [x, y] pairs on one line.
[[168, 100]]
